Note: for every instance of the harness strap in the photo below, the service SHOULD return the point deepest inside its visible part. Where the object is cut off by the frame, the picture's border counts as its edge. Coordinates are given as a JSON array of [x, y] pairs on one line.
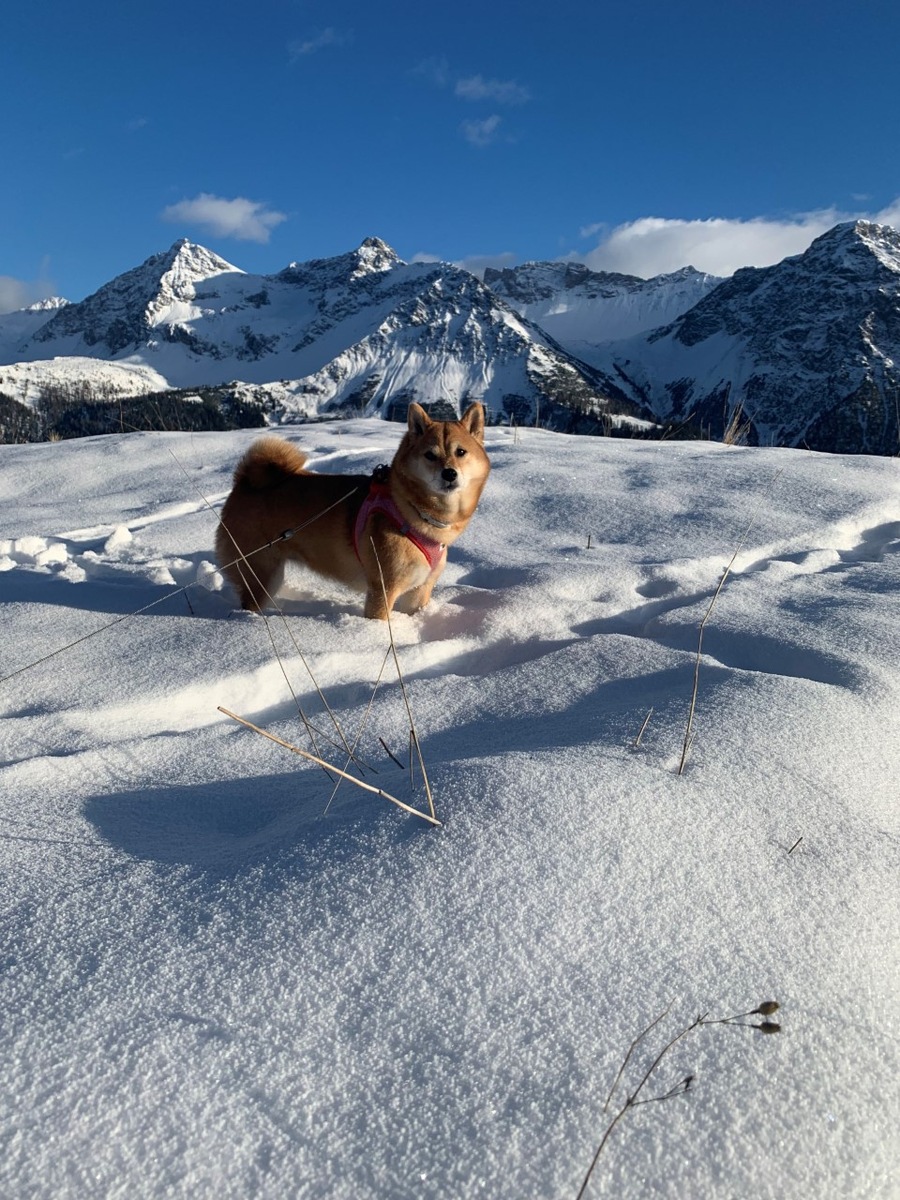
[[379, 499]]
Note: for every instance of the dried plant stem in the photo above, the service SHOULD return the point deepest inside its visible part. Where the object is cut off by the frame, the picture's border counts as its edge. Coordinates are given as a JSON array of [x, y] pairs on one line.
[[631, 1049], [692, 708], [689, 728], [642, 730], [634, 1099], [362, 726], [389, 752], [630, 1102], [414, 737], [432, 820]]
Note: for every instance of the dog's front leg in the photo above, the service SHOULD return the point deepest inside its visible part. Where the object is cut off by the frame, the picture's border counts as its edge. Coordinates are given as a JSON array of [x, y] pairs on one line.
[[418, 597], [377, 608]]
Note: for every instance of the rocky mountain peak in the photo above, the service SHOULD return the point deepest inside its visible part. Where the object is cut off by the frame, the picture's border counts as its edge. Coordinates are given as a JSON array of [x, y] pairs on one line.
[[185, 258], [48, 304], [374, 256]]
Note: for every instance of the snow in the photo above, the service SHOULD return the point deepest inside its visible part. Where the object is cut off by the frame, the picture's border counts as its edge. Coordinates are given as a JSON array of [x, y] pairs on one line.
[[585, 310], [212, 988], [26, 381]]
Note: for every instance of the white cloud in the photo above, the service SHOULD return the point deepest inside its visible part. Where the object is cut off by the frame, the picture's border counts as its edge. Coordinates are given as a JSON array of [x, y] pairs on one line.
[[474, 263], [481, 133], [656, 245], [245, 220], [498, 90], [19, 293], [435, 70], [328, 37], [889, 215]]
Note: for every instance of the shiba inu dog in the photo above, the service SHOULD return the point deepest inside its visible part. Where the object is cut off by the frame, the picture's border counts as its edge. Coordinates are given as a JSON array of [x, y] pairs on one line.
[[400, 519]]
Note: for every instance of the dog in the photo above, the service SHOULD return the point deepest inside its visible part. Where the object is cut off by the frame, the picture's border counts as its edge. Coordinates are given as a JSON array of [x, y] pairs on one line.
[[386, 534]]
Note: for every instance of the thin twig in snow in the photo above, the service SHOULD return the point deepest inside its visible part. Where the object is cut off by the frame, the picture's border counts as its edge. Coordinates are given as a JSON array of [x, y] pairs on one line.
[[689, 728], [330, 767]]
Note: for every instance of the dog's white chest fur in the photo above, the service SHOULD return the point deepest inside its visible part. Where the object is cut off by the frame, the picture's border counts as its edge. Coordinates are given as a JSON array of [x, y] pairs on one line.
[[417, 575]]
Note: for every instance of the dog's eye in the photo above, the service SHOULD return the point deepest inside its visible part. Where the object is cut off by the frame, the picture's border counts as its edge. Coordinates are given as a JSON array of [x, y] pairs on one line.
[[431, 456], [460, 452]]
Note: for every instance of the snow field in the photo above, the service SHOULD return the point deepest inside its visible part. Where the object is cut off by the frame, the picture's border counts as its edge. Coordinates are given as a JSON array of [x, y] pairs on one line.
[[212, 989]]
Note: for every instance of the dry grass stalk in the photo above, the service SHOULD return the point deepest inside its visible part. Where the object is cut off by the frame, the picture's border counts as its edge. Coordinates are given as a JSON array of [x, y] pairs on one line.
[[414, 737], [737, 431], [634, 1100], [389, 752], [643, 729], [362, 726], [432, 820], [692, 708]]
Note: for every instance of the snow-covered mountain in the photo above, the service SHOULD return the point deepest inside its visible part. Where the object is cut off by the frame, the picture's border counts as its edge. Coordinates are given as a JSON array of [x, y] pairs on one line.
[[582, 308], [807, 350], [17, 327], [161, 293], [359, 332]]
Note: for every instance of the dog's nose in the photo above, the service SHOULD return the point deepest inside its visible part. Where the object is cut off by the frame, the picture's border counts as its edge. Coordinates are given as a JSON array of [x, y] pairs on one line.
[[448, 474]]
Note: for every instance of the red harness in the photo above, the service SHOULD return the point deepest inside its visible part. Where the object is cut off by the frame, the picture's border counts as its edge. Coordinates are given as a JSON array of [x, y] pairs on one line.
[[380, 500]]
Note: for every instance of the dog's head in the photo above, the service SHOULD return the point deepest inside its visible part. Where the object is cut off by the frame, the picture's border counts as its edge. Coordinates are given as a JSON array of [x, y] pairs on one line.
[[446, 456]]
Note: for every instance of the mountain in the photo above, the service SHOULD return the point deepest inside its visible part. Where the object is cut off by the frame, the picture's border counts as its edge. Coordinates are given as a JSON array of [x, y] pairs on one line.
[[124, 312], [803, 353], [582, 308], [807, 352], [363, 332], [17, 327]]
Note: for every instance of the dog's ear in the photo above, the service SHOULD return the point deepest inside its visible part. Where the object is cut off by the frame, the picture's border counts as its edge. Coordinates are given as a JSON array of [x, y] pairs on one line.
[[417, 419], [473, 420]]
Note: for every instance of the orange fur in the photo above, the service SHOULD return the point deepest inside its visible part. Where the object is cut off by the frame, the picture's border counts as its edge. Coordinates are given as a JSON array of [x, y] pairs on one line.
[[436, 479]]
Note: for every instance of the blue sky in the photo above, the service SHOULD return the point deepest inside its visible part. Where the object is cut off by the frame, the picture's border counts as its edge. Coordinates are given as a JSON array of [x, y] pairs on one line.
[[636, 136]]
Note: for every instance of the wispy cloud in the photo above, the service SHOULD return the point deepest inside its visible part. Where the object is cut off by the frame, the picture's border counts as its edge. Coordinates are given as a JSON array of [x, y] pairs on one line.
[[656, 245], [327, 37], [435, 70], [500, 91], [478, 131], [245, 220], [137, 123], [483, 132], [475, 263], [19, 293]]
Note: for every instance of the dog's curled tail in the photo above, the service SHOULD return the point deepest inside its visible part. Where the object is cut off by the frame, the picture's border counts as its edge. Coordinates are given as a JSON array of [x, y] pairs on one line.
[[267, 462]]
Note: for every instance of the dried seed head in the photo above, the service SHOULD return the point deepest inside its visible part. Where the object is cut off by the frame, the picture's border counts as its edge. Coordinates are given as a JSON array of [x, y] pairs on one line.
[[769, 1027], [769, 1007]]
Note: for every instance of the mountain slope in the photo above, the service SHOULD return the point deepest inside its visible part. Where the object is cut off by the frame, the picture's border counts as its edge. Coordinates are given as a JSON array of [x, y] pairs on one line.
[[360, 331], [805, 353], [582, 308], [160, 292], [807, 349]]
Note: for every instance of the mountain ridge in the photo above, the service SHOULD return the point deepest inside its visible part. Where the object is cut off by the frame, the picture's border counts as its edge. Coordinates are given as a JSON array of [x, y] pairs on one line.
[[804, 352], [807, 349], [363, 331]]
